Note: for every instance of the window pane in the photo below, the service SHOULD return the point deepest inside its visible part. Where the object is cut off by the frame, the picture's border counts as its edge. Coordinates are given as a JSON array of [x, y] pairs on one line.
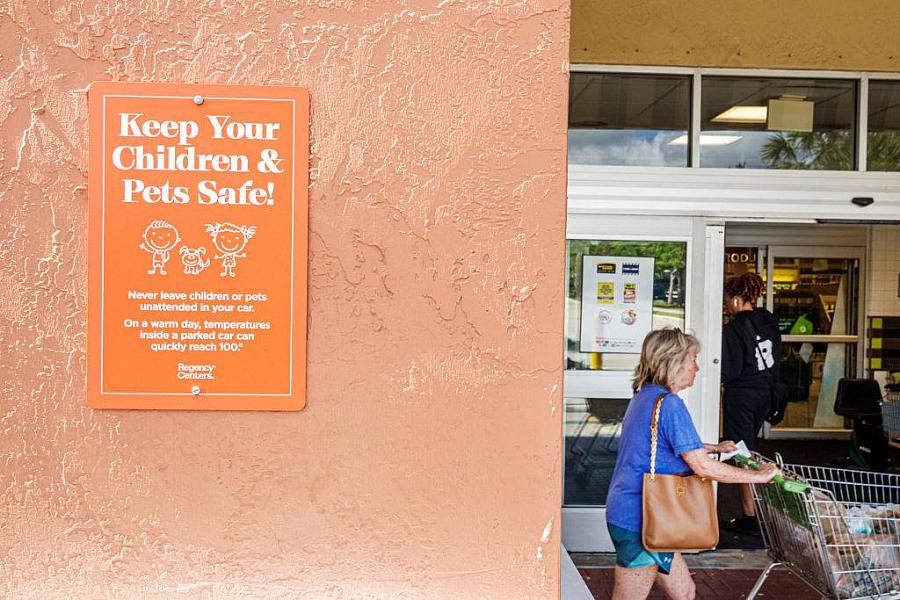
[[668, 295], [629, 119], [816, 296], [592, 430], [884, 126], [765, 123], [811, 373]]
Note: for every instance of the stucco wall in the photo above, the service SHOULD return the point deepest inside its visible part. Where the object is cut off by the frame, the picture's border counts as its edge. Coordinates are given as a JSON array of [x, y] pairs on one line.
[[801, 34], [427, 461]]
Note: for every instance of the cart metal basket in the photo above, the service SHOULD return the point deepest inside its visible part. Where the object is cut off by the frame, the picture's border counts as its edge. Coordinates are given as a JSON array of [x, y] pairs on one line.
[[837, 529], [890, 411]]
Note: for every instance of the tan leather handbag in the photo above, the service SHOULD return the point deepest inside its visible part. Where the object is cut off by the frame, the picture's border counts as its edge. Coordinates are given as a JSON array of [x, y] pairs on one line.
[[679, 511]]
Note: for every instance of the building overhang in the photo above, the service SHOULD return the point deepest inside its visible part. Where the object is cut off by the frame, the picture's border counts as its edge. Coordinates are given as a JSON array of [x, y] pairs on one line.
[[792, 196]]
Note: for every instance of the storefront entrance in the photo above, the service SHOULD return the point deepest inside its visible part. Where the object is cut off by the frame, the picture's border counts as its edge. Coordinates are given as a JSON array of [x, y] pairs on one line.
[[662, 166], [817, 291], [815, 277]]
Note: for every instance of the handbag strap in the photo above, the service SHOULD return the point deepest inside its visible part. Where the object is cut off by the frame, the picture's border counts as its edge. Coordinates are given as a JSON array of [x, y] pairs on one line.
[[654, 434]]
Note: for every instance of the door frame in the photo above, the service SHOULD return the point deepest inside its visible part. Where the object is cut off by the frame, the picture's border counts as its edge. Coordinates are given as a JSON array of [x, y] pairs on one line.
[[584, 527]]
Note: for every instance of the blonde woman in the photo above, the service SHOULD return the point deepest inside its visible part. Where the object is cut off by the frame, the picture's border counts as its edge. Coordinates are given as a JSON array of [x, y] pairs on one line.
[[668, 365]]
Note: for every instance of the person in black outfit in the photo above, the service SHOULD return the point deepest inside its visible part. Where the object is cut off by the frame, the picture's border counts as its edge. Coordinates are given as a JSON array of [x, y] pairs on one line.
[[751, 357]]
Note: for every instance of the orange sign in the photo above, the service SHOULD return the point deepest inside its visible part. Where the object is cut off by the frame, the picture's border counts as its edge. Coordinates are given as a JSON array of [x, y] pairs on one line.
[[198, 247]]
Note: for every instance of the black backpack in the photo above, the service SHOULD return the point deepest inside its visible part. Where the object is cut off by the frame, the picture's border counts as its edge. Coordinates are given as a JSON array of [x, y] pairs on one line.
[[778, 391]]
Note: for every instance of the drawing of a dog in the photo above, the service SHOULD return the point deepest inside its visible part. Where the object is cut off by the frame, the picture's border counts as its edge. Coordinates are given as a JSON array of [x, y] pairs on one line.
[[193, 261]]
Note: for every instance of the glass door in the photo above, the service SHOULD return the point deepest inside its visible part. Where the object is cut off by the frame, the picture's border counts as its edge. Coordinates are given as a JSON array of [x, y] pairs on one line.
[[816, 294], [626, 277]]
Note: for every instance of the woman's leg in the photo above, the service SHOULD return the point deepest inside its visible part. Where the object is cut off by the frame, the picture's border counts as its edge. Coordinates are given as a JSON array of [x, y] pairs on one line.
[[745, 410], [633, 584], [761, 409], [678, 584]]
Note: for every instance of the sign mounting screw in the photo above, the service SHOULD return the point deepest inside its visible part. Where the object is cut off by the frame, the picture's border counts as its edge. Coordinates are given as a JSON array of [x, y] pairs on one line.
[[195, 390], [198, 100]]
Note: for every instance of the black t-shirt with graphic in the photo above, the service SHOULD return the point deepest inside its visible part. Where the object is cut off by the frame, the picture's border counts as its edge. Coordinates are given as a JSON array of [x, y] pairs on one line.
[[749, 362]]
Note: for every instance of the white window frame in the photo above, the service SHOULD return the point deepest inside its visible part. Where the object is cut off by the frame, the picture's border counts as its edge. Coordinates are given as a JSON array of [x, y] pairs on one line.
[[746, 194], [584, 526], [862, 79]]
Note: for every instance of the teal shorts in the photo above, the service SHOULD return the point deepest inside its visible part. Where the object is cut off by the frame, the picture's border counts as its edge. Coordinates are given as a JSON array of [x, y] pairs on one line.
[[631, 554]]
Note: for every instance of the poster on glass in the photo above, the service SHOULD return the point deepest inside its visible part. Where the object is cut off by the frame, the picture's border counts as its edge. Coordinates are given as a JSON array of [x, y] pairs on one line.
[[617, 303]]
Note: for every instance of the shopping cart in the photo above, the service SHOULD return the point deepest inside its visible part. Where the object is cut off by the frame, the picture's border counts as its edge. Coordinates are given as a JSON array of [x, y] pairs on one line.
[[837, 529]]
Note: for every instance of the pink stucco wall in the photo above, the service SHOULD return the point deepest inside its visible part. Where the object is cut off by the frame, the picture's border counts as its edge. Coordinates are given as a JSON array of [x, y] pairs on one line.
[[427, 464]]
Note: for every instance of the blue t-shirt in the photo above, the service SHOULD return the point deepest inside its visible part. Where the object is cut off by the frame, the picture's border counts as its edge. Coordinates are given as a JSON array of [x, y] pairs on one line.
[[677, 435]]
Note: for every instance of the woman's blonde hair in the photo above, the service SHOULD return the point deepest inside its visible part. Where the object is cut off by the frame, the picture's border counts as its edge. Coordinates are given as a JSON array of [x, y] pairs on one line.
[[663, 358]]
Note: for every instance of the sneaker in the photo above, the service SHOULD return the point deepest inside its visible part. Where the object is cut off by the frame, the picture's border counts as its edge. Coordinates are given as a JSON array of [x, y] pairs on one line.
[[743, 524]]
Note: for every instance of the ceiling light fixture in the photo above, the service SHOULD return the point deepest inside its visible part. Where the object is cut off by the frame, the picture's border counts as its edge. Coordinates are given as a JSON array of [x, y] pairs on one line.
[[743, 114], [790, 113]]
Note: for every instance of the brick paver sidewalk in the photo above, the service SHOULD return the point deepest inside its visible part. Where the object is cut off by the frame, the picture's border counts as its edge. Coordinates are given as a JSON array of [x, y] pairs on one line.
[[715, 584]]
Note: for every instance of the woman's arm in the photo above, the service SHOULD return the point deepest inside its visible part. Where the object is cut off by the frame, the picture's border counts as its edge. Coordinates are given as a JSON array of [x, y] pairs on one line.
[[702, 465]]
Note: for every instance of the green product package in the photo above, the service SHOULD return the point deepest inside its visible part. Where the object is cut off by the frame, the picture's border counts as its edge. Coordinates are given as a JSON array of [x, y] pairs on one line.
[[802, 326]]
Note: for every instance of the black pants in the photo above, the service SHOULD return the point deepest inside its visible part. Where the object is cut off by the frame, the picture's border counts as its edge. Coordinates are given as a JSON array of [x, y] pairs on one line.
[[745, 411]]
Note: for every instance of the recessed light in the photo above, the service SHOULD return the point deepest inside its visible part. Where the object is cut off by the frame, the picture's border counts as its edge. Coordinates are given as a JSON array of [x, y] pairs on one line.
[[707, 140], [743, 114]]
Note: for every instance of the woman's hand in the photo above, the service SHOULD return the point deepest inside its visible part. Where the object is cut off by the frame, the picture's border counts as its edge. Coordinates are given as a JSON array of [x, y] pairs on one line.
[[767, 472], [726, 446], [701, 464]]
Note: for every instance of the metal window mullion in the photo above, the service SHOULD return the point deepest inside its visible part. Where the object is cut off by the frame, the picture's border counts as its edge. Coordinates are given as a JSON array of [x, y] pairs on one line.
[[695, 120], [863, 364], [862, 129], [861, 311]]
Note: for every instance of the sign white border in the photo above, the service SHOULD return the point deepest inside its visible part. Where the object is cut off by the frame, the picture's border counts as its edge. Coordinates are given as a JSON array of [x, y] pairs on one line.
[[103, 245]]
